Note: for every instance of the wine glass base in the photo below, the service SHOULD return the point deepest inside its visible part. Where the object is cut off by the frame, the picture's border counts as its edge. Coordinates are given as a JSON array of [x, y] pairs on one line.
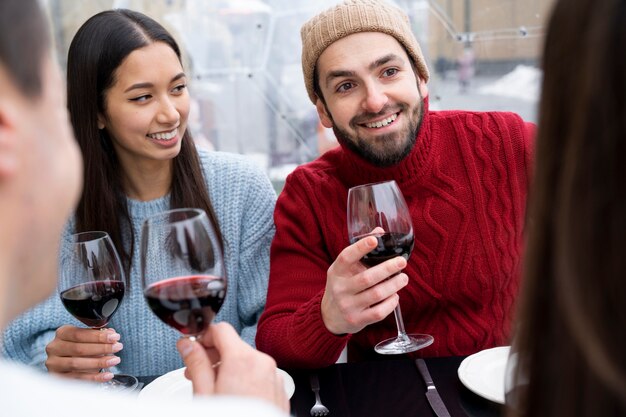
[[404, 344], [120, 382]]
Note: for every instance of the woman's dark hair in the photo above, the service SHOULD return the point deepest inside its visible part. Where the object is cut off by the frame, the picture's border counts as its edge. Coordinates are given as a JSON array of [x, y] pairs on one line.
[[97, 50], [571, 342]]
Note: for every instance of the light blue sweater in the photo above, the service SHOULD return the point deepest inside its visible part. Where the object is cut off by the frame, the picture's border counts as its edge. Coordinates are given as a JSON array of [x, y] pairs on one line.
[[243, 200]]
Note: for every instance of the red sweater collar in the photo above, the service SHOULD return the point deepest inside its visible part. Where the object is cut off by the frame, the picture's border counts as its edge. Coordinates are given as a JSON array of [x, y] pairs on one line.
[[357, 171]]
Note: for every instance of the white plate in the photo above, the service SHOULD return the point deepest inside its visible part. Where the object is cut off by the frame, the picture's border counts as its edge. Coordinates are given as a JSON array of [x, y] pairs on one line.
[[483, 373], [174, 384]]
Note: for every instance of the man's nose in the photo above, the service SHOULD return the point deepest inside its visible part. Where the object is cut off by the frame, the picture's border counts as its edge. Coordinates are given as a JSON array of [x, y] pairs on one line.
[[375, 98]]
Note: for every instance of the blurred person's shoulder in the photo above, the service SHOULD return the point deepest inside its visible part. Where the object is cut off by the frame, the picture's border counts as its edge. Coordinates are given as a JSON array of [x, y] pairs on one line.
[[56, 397]]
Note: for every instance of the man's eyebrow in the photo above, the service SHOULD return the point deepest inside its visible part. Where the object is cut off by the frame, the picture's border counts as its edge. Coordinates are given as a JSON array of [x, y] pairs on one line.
[[383, 60], [337, 74], [379, 62], [148, 85]]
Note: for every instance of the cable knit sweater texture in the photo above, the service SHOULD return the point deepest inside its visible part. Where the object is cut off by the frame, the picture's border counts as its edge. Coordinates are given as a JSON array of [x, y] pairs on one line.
[[243, 200], [465, 182]]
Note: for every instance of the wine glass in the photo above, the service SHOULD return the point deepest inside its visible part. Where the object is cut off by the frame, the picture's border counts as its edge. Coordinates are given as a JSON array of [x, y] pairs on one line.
[[92, 286], [182, 269], [379, 210]]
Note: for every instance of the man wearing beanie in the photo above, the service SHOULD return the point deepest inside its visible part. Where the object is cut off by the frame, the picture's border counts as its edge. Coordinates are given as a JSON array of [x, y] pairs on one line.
[[464, 176]]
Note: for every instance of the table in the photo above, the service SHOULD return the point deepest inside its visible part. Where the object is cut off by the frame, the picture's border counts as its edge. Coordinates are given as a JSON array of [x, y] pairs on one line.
[[389, 388], [385, 388]]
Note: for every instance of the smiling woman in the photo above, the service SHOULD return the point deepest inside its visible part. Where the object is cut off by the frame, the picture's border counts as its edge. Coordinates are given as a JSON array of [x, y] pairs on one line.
[[129, 105], [145, 114]]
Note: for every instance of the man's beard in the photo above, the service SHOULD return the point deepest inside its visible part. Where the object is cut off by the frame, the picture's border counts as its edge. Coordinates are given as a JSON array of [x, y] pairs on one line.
[[387, 153]]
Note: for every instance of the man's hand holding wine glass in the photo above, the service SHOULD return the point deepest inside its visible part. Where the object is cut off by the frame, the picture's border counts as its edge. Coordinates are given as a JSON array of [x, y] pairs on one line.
[[378, 216], [357, 296]]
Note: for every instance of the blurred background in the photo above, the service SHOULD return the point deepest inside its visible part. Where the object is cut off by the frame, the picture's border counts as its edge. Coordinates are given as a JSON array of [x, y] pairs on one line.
[[243, 60]]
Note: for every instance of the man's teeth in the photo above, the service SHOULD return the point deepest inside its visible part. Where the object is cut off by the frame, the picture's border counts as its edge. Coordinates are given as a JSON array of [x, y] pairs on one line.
[[384, 122], [163, 136]]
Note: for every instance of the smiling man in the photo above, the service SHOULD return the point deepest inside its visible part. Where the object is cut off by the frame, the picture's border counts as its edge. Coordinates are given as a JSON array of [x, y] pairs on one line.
[[464, 176]]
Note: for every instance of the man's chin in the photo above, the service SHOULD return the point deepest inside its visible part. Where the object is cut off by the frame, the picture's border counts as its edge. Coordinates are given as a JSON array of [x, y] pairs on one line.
[[383, 157], [382, 151]]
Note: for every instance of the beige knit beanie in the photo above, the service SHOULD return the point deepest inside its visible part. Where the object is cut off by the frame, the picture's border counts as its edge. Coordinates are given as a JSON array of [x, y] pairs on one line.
[[353, 16]]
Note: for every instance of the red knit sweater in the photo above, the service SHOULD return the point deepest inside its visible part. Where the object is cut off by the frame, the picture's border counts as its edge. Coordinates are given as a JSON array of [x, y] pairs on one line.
[[465, 182]]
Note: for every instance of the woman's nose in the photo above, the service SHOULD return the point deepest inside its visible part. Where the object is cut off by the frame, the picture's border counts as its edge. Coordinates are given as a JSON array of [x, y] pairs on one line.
[[168, 113]]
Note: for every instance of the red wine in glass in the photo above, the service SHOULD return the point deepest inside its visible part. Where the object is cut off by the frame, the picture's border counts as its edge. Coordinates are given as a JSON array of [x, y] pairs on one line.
[[380, 210], [93, 303], [182, 269], [389, 246], [92, 285], [187, 304]]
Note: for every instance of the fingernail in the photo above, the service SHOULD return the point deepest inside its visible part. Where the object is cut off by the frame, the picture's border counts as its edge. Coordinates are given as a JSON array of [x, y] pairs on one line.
[[106, 376], [400, 262], [113, 337], [185, 347], [113, 361], [117, 347]]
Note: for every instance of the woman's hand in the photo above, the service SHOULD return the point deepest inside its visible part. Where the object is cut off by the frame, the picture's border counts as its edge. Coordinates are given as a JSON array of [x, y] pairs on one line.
[[80, 353]]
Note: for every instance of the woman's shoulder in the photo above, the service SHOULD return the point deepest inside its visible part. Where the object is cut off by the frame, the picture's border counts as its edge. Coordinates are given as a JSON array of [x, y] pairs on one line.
[[221, 158], [221, 166]]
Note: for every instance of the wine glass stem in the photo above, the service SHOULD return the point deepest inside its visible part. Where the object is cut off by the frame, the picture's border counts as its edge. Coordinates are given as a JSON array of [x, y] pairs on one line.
[[399, 322]]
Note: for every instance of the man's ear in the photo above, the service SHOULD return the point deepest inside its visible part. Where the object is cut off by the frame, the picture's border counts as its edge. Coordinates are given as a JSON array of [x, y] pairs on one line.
[[9, 138], [325, 118], [423, 88]]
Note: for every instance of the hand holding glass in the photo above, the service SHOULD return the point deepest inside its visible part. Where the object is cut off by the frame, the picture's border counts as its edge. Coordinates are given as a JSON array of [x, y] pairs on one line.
[[92, 286], [182, 269], [381, 207]]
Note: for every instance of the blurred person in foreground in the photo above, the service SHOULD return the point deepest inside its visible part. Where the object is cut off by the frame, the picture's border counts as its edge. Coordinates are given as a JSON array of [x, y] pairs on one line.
[[40, 182], [570, 341], [130, 116], [464, 176]]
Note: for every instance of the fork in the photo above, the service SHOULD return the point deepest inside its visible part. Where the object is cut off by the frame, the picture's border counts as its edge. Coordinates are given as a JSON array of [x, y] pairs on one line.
[[319, 409]]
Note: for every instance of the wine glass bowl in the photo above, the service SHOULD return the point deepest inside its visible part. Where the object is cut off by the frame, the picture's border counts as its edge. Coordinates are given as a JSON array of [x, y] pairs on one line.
[[92, 285], [182, 269], [93, 303], [380, 210]]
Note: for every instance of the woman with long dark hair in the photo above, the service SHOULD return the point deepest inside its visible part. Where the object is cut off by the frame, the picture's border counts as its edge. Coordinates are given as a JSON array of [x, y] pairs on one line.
[[129, 105], [570, 346]]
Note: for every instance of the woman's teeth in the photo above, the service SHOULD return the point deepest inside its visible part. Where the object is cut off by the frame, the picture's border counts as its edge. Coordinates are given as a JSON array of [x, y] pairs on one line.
[[382, 123], [163, 136]]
